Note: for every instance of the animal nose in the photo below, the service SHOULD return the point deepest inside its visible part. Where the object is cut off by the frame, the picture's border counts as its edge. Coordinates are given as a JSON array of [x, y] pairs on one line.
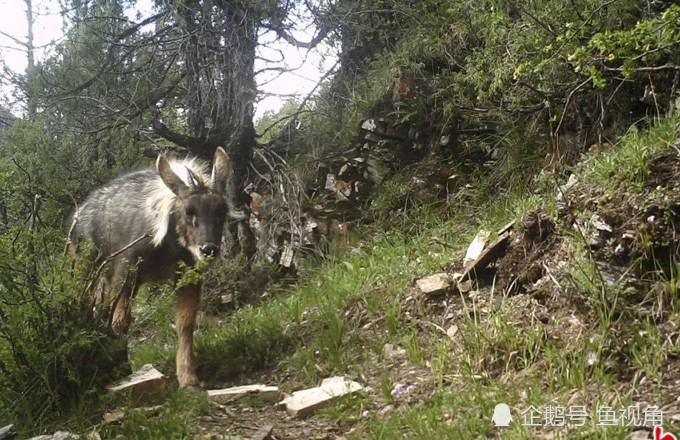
[[209, 250]]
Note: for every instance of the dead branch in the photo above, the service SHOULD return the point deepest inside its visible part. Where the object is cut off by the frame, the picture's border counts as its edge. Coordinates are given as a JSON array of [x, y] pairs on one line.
[[661, 68], [95, 275], [566, 104]]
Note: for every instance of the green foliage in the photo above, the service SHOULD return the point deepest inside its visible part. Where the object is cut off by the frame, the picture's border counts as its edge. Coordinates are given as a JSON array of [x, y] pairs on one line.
[[176, 419], [649, 43], [271, 122], [503, 77], [53, 354], [515, 78], [628, 165], [56, 169]]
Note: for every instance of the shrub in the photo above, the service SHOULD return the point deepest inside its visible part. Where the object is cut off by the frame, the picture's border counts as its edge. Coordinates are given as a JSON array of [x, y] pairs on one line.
[[54, 355]]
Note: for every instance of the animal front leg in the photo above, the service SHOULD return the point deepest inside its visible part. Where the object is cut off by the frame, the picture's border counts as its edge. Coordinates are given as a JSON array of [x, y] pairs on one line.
[[185, 319]]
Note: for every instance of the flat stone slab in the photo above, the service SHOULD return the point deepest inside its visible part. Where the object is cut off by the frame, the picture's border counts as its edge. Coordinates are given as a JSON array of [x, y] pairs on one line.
[[494, 251], [304, 402], [7, 432], [434, 284], [476, 247], [117, 415], [59, 435], [263, 433], [263, 392], [144, 382], [506, 228]]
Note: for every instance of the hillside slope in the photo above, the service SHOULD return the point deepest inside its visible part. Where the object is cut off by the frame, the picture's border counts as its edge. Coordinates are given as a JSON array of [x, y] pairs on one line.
[[582, 313]]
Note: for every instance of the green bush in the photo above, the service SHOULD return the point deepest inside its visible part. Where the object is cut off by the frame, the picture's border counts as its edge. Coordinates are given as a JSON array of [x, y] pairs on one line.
[[54, 355]]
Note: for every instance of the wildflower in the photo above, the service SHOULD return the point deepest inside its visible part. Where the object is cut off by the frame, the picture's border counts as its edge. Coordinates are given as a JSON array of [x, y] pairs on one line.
[[400, 390], [397, 390]]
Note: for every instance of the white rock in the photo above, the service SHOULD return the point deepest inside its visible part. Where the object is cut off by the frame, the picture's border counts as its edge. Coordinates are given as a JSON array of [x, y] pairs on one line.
[[146, 381], [452, 331], [59, 435], [465, 286], [506, 227], [114, 416], [306, 401], [640, 435], [476, 247], [286, 259], [566, 187], [330, 182], [620, 250], [600, 224], [369, 124], [263, 392], [434, 284]]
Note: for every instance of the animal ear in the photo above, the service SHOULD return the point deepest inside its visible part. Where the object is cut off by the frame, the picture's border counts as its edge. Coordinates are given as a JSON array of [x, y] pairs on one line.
[[168, 176], [220, 171]]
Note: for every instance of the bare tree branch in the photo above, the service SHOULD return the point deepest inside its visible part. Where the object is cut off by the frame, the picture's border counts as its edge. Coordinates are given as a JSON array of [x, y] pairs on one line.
[[16, 40], [302, 105], [661, 68], [290, 39]]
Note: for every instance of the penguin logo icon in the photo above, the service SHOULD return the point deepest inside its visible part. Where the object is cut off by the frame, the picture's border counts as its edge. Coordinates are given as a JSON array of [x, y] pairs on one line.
[[501, 415]]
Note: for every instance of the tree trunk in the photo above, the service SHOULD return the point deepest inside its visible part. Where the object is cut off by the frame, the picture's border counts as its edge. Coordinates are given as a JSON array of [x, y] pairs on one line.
[[30, 55], [219, 50]]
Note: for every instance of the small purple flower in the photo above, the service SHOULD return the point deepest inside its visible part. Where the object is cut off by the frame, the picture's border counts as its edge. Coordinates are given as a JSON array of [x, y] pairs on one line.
[[365, 413], [400, 390], [397, 390]]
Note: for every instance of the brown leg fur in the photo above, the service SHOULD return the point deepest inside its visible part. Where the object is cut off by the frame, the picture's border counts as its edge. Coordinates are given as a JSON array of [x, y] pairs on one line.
[[185, 318], [122, 309], [122, 315]]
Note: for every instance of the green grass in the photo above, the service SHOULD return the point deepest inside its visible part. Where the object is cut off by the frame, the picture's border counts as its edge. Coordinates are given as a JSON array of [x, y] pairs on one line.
[[499, 354], [175, 419], [627, 163]]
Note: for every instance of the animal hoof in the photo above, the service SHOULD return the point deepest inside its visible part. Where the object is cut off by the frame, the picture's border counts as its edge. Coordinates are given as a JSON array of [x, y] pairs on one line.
[[193, 389]]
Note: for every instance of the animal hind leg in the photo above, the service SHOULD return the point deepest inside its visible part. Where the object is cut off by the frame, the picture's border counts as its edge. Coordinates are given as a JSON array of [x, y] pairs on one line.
[[122, 310], [122, 315], [188, 298]]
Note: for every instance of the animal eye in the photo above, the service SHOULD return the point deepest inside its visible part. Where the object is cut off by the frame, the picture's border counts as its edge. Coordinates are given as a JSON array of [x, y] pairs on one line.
[[190, 211]]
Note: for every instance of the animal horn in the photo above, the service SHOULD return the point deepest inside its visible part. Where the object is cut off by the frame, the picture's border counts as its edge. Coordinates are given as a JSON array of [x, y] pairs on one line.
[[192, 180], [213, 180]]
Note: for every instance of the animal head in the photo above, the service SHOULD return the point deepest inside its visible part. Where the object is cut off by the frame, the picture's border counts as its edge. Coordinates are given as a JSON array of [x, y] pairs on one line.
[[199, 208]]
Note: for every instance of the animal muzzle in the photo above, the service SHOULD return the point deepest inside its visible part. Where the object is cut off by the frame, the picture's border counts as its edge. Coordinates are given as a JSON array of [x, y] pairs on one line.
[[209, 250]]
